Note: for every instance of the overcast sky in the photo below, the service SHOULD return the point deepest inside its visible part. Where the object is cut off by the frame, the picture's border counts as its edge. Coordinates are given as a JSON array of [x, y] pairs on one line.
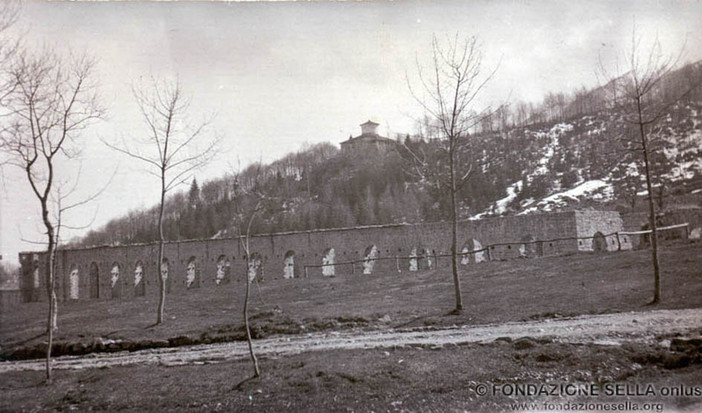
[[278, 75]]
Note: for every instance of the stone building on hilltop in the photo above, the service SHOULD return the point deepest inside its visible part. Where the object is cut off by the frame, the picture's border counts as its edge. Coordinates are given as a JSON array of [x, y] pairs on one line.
[[368, 142]]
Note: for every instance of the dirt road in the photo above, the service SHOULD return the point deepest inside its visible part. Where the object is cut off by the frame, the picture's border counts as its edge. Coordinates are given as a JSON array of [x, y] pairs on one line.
[[598, 329]]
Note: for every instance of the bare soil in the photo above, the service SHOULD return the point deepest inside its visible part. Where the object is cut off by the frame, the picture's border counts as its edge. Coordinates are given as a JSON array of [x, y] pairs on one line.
[[398, 379]]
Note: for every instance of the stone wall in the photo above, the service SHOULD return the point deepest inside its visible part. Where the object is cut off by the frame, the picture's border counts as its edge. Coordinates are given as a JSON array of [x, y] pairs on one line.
[[111, 272], [597, 230]]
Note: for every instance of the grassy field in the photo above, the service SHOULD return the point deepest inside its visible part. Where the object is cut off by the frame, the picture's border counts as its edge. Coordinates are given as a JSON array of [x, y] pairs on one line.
[[493, 292], [409, 378]]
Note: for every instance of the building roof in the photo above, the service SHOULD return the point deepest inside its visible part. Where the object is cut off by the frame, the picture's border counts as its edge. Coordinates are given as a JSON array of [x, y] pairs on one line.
[[370, 122], [368, 138]]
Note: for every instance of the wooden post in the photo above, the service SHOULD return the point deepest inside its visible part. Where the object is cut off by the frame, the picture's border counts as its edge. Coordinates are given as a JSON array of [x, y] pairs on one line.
[[619, 242], [306, 274], [397, 263], [488, 253]]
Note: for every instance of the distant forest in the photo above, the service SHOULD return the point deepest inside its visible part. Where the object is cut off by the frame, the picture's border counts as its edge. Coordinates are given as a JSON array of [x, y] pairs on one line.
[[539, 149]]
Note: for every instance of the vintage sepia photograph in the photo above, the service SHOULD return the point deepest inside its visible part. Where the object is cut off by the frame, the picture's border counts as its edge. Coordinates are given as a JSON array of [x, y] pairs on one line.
[[351, 206]]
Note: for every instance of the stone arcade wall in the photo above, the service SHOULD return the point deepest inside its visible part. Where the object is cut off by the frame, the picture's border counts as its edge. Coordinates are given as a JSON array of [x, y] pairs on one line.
[[597, 231], [110, 272]]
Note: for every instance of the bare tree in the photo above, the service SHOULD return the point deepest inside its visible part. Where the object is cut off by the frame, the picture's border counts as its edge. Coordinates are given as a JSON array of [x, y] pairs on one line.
[[51, 102], [637, 93], [448, 94], [244, 240], [173, 149]]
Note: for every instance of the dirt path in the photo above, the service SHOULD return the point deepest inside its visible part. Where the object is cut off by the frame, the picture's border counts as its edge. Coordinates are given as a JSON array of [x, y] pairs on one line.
[[599, 329]]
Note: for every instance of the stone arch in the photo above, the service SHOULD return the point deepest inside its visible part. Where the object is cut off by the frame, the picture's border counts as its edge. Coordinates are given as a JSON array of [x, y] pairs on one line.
[[470, 256], [192, 273], [139, 281], [289, 265], [74, 283], [527, 248], [417, 254], [599, 242], [224, 269], [328, 262], [94, 280], [369, 256], [255, 269], [115, 285]]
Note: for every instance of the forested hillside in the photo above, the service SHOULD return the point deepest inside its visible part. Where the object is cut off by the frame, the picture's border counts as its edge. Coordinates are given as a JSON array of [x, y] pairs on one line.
[[571, 151]]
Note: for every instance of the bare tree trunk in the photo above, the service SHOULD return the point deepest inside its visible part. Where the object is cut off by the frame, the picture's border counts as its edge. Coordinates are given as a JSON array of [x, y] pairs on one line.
[[257, 372], [651, 213], [454, 230], [50, 322], [162, 280]]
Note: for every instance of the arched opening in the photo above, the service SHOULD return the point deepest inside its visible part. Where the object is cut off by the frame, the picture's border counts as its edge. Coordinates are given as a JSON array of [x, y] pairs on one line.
[[289, 265], [94, 280], [328, 263], [36, 282], [164, 274], [472, 252], [192, 273], [255, 267], [139, 282], [429, 258], [224, 269], [599, 243], [465, 254], [528, 247], [115, 285], [74, 284], [369, 256], [414, 259]]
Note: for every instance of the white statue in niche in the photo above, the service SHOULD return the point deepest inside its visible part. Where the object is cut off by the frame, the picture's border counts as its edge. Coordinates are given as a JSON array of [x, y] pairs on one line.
[[328, 263], [114, 275], [138, 274], [190, 274]]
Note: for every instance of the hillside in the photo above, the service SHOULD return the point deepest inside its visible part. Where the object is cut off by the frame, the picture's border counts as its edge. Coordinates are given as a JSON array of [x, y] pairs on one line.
[[571, 151]]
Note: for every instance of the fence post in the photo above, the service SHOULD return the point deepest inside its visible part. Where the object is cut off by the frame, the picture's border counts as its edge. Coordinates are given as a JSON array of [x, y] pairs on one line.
[[306, 274], [488, 253], [397, 263], [619, 242]]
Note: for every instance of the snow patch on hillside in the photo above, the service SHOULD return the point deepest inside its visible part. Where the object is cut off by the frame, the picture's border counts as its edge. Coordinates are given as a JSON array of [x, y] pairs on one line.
[[595, 189], [500, 206], [553, 134]]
